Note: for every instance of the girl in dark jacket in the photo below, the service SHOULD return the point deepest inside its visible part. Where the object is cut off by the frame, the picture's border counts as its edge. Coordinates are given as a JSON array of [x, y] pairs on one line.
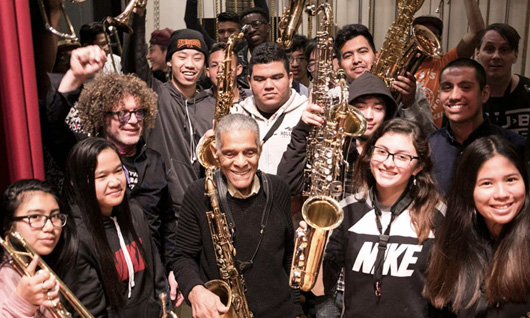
[[117, 271], [384, 242], [481, 259]]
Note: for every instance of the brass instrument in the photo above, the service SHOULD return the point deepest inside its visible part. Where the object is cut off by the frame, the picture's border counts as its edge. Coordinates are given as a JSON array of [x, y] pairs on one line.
[[231, 287], [165, 313], [398, 56], [289, 22], [321, 211], [111, 26], [20, 261], [71, 37], [224, 98]]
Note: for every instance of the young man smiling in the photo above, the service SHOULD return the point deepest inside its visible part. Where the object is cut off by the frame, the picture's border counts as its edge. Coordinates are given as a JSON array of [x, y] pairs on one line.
[[354, 46], [463, 91], [184, 115]]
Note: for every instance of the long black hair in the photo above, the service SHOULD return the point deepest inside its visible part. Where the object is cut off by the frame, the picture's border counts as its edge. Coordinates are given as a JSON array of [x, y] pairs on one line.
[[79, 190], [15, 195], [464, 255]]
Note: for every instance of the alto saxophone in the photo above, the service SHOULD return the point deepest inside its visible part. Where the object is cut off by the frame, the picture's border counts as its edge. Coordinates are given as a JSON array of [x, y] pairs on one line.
[[231, 287], [321, 211], [224, 97], [399, 54], [20, 261]]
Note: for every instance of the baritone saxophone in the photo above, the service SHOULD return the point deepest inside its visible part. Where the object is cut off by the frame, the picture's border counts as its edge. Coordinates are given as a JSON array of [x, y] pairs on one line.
[[400, 53], [323, 174]]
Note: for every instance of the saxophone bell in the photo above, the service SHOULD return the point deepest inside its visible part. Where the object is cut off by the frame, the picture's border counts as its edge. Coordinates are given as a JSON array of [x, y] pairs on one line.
[[224, 292]]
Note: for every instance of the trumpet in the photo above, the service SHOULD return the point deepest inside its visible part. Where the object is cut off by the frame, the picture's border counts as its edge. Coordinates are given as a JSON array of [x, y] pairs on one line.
[[20, 261]]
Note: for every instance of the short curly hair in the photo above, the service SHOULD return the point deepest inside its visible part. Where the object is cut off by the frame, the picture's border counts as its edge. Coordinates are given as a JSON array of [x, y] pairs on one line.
[[106, 93]]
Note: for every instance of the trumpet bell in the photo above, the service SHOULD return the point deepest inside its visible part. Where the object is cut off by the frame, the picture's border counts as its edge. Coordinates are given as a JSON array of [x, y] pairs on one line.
[[428, 43]]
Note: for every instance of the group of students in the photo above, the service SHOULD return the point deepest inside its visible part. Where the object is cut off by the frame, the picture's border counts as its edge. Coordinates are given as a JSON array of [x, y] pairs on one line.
[[435, 221]]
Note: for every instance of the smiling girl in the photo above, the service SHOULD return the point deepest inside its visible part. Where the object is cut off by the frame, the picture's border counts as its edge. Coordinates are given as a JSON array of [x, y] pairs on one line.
[[481, 260], [31, 208], [388, 228], [117, 270]]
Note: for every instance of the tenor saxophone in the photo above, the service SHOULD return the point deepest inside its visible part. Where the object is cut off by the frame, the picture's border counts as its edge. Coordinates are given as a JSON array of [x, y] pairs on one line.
[[325, 162], [401, 54], [20, 259], [231, 287]]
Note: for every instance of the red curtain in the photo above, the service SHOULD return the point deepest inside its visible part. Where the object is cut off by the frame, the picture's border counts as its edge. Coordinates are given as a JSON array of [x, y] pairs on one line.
[[21, 146]]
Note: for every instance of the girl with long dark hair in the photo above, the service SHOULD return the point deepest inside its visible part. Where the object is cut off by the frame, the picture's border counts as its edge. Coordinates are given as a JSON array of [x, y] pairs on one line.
[[384, 241], [117, 270], [481, 259], [31, 208]]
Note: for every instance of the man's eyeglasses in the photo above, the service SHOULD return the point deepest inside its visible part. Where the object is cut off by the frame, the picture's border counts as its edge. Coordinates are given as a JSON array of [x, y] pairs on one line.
[[401, 160], [257, 23], [125, 115], [298, 59], [38, 221]]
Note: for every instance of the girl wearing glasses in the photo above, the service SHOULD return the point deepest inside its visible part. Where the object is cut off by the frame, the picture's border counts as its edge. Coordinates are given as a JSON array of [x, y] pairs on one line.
[[117, 270], [385, 238], [481, 259], [31, 208]]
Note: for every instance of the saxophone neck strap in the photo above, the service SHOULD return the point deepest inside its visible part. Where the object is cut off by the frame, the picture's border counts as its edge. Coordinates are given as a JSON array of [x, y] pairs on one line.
[[222, 191], [397, 208]]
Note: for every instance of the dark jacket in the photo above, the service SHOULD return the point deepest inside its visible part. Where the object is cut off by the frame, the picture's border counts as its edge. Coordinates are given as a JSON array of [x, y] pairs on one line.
[[179, 125], [354, 246], [84, 279], [445, 149]]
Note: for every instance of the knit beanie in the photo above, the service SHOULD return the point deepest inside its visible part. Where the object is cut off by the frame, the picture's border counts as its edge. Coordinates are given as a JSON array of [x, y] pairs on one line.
[[161, 37], [186, 39], [369, 84]]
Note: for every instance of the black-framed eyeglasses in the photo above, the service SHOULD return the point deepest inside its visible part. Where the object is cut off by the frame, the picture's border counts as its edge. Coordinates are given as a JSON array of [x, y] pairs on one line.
[[298, 59], [257, 23], [38, 221], [401, 160], [125, 115]]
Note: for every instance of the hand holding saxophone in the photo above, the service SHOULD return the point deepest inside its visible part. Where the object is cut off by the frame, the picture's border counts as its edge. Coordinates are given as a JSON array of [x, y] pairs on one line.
[[40, 289], [311, 115], [406, 86], [205, 304]]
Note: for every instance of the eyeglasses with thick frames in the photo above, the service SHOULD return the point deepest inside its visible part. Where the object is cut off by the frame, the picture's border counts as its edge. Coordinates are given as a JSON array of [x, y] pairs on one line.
[[257, 23], [401, 160], [38, 221], [125, 115]]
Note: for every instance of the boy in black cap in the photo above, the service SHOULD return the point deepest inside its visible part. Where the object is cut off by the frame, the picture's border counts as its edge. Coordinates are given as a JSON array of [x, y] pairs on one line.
[[184, 114]]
